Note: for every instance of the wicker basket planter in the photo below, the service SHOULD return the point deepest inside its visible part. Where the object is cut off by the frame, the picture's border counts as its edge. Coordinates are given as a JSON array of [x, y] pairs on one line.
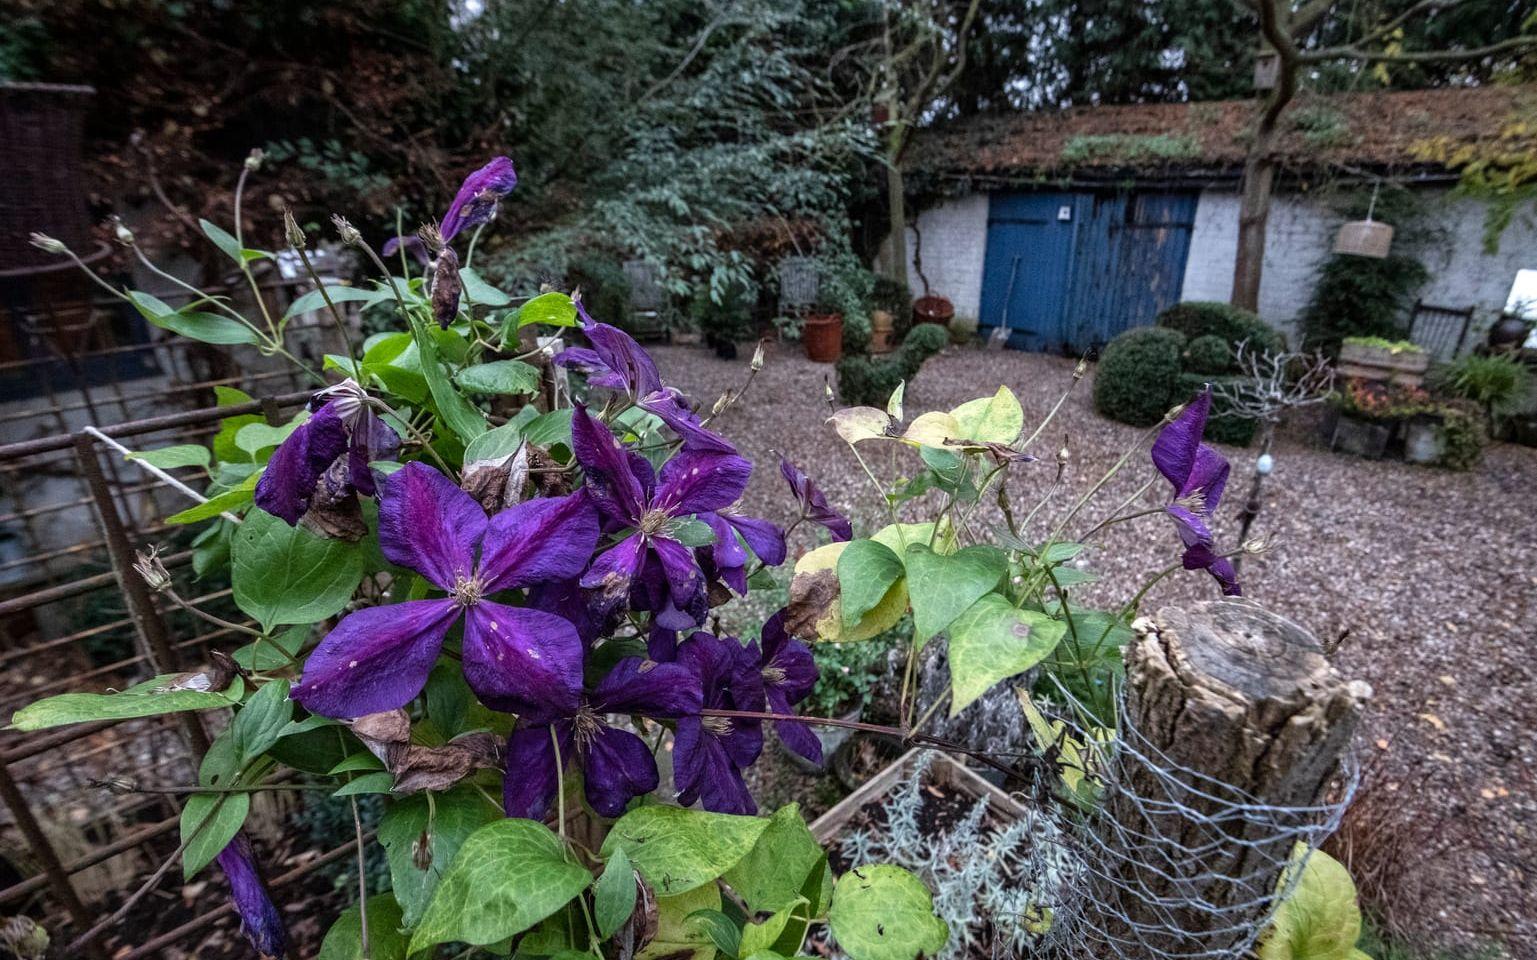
[[1370, 362]]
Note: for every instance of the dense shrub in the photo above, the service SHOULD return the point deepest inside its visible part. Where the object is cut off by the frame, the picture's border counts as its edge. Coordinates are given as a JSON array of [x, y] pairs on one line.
[[605, 289], [868, 381], [1208, 354], [1497, 384], [1462, 439], [856, 333], [926, 339], [1138, 375], [963, 329], [1203, 318], [1360, 297], [1221, 426], [725, 323]]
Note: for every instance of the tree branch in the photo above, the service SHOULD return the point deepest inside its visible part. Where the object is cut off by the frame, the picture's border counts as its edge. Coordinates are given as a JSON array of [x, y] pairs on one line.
[[1424, 56]]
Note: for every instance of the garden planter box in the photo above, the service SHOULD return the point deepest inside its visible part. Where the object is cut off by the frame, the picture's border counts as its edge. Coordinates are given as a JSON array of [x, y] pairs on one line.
[[1364, 438], [942, 771], [1406, 367]]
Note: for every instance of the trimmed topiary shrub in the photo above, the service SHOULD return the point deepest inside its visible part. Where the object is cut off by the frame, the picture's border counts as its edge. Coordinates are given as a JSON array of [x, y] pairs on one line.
[[868, 381], [1138, 375], [1208, 354], [927, 339], [1202, 318], [1221, 426]]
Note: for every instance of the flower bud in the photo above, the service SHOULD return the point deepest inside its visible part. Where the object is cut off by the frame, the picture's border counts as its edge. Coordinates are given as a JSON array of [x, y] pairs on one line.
[[48, 244], [260, 920], [1063, 456], [1081, 370], [291, 231], [121, 232], [757, 358], [153, 572], [1174, 413], [722, 403], [1258, 545], [349, 234], [253, 161], [446, 288]]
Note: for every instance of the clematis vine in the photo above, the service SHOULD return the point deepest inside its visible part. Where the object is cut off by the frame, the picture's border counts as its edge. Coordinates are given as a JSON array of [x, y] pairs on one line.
[[260, 921], [473, 205], [343, 423], [378, 658], [710, 753], [1198, 474], [814, 506], [615, 361], [789, 672], [728, 557], [616, 765], [650, 512]]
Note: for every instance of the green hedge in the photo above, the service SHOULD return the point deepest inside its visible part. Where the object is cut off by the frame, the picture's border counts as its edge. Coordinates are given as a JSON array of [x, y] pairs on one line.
[[1203, 318], [1209, 354], [1138, 375]]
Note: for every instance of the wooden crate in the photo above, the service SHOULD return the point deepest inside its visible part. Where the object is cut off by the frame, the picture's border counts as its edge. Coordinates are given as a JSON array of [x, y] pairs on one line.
[[1405, 367], [942, 769]]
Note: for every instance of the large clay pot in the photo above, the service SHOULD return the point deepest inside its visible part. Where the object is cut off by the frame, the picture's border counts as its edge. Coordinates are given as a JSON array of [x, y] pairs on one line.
[[881, 330], [823, 336], [933, 309]]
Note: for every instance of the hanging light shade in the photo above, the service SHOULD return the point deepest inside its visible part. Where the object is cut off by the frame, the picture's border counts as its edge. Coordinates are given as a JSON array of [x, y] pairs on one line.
[[1364, 238]]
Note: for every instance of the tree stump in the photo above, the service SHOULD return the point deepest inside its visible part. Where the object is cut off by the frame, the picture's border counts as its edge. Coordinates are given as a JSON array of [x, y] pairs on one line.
[[1236, 728]]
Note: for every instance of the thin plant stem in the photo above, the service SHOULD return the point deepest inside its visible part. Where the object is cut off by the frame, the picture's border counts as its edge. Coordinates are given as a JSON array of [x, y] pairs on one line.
[[560, 792], [357, 828], [1041, 428], [1117, 517], [216, 621], [1100, 483], [245, 266], [336, 315]]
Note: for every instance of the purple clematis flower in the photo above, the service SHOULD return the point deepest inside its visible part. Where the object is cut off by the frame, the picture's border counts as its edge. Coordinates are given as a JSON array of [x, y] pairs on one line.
[[342, 422], [616, 765], [476, 201], [616, 362], [259, 919], [789, 672], [1198, 474], [709, 753], [814, 506], [416, 248], [515, 658], [626, 492], [729, 557]]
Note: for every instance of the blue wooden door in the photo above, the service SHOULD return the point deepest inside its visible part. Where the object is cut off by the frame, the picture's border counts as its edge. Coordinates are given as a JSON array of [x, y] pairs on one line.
[[1026, 269], [1066, 272]]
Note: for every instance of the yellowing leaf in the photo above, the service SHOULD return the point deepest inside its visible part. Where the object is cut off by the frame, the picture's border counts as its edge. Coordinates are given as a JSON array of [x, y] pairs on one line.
[[861, 423], [932, 429], [995, 419], [1320, 919], [816, 610]]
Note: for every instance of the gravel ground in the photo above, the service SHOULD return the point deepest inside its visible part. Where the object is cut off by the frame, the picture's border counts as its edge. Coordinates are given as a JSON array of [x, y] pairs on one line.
[[1427, 574]]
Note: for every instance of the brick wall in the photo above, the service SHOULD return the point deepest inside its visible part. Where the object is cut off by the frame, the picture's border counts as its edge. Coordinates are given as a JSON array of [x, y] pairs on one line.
[[954, 242], [1301, 237]]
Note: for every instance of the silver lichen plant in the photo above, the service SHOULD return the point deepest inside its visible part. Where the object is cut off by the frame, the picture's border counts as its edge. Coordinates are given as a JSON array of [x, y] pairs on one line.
[[998, 889]]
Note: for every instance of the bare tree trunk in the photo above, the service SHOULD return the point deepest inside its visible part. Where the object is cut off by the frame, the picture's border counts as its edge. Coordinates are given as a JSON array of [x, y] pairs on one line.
[[896, 200], [1235, 718], [1253, 219]]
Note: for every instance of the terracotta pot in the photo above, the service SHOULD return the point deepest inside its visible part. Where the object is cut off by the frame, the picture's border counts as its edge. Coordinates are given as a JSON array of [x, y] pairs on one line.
[[932, 309], [823, 336], [881, 329]]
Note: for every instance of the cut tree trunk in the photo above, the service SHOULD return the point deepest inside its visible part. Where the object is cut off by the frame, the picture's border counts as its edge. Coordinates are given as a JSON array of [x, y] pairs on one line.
[[1238, 720], [1253, 220]]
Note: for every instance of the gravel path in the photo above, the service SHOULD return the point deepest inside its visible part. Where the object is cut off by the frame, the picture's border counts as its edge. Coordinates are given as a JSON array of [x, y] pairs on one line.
[[1430, 572]]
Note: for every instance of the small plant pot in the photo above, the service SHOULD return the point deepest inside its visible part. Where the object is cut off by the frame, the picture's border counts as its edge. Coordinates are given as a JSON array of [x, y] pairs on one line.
[[882, 331], [1364, 438], [1423, 440], [823, 336]]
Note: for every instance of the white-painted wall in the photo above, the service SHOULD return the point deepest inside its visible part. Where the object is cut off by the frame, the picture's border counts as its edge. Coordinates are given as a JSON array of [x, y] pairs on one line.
[[1301, 237], [954, 243]]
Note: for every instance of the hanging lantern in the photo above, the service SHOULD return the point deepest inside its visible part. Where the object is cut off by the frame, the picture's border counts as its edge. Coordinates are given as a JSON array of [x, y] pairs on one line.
[[1364, 238]]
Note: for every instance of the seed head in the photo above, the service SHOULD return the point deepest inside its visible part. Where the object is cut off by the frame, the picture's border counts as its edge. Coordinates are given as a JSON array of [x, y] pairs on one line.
[[291, 231], [1063, 456], [757, 358], [48, 244], [349, 234], [121, 232], [153, 572], [1081, 370], [253, 161]]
